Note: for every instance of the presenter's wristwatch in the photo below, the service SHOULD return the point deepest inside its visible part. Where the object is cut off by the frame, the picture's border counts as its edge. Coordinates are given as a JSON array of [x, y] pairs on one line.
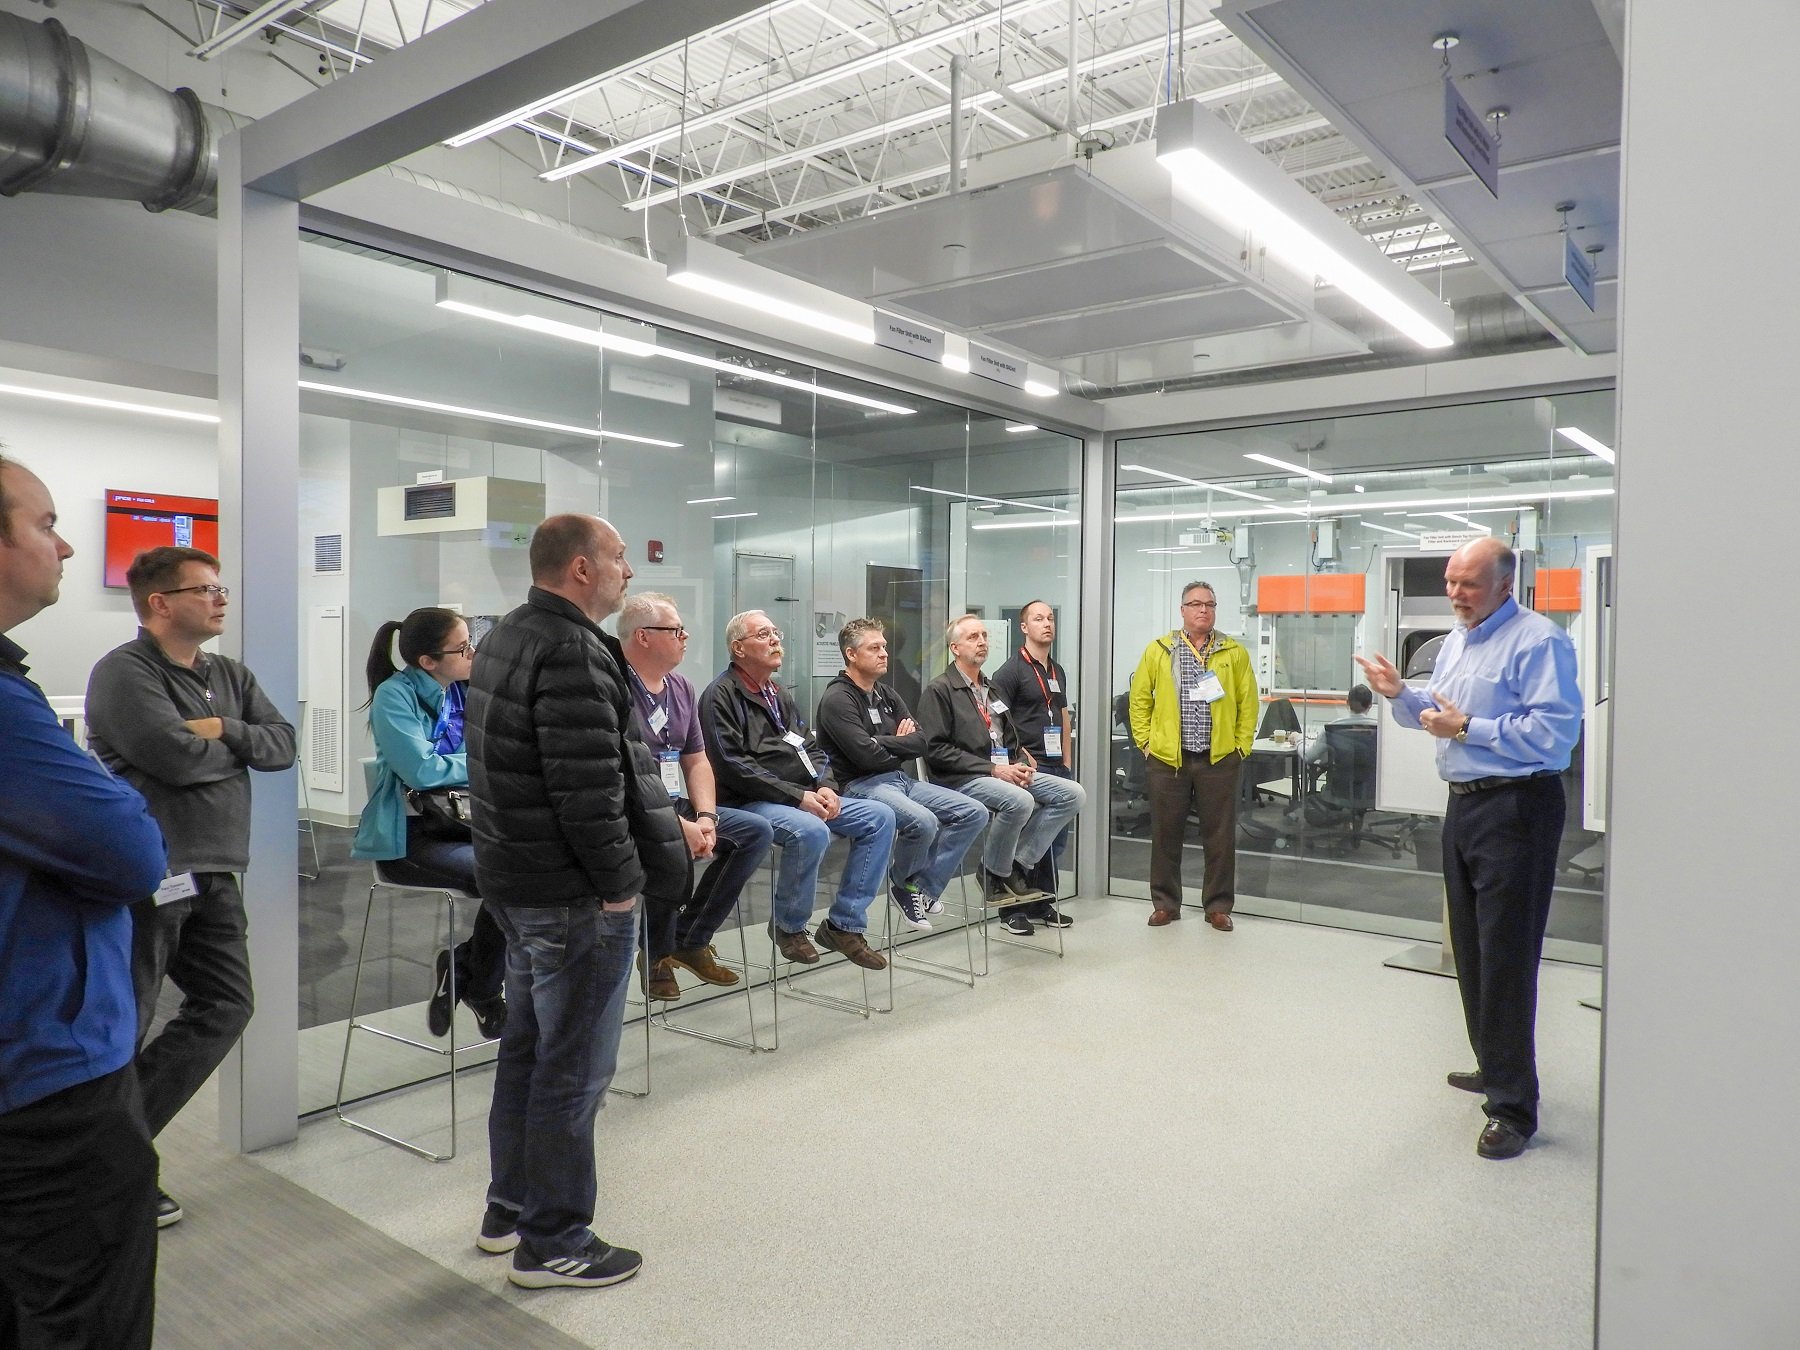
[[1462, 732]]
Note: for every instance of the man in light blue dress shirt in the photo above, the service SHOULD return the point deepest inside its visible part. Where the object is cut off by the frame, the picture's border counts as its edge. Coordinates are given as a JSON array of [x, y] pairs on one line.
[[1506, 711]]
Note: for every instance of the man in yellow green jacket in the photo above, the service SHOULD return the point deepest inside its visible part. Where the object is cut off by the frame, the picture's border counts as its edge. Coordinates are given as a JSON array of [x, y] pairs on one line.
[[1193, 714]]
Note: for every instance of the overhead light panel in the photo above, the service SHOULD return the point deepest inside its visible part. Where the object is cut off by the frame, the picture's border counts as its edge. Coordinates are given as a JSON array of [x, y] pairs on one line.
[[1291, 468], [736, 515], [112, 404], [703, 266], [1216, 171], [1017, 427], [707, 501], [1389, 529], [1195, 482], [1587, 443], [480, 414], [997, 501]]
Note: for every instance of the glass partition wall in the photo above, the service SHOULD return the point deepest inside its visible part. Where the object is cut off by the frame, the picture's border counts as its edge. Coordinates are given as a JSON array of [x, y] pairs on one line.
[[1327, 538], [738, 481]]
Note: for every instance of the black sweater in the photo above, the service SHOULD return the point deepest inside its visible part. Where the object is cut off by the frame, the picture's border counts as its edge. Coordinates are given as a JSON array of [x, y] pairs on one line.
[[859, 730]]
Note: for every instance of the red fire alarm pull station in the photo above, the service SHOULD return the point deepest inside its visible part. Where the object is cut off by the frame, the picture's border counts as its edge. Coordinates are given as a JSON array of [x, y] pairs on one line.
[[655, 554]]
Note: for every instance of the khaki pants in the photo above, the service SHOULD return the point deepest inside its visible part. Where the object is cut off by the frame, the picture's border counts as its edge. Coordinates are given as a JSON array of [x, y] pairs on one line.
[[1211, 790]]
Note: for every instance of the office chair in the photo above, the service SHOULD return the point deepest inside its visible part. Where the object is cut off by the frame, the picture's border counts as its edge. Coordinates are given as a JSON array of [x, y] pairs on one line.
[[1347, 788], [1130, 774]]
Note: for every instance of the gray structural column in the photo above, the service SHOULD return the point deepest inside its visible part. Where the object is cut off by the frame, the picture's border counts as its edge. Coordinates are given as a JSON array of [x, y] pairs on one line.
[[1093, 767], [1698, 1218], [259, 492]]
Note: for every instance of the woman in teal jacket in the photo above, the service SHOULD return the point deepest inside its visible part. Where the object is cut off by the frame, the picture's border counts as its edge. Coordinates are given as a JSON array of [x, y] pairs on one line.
[[416, 716]]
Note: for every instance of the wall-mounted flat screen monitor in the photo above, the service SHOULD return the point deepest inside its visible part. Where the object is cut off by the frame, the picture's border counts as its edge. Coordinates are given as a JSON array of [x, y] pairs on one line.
[[136, 521]]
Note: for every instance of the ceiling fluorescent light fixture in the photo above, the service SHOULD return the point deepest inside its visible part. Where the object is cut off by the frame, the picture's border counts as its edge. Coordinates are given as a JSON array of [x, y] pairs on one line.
[[1587, 443], [707, 501], [1389, 529], [1026, 524], [1016, 427], [1291, 468], [703, 266], [1216, 171], [1195, 482], [997, 501], [112, 404], [530, 110], [736, 515], [480, 414]]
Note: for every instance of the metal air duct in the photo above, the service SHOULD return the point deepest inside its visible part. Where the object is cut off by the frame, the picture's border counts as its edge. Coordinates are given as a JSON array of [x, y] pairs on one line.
[[75, 122]]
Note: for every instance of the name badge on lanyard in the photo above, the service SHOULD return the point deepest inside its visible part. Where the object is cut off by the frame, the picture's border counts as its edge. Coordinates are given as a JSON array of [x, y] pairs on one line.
[[658, 719], [997, 754], [875, 717], [1052, 742], [798, 741], [668, 763], [178, 887], [1055, 688], [1208, 690]]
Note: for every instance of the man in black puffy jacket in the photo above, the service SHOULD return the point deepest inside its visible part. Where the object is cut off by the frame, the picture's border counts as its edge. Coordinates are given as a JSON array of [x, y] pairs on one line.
[[571, 827]]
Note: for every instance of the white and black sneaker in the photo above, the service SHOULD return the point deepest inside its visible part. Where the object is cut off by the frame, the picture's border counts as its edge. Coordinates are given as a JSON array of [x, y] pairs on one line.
[[499, 1229], [911, 904], [168, 1209], [1017, 924], [933, 904], [593, 1267]]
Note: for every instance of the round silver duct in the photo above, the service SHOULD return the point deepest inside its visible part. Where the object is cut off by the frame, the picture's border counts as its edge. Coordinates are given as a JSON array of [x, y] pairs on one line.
[[75, 122]]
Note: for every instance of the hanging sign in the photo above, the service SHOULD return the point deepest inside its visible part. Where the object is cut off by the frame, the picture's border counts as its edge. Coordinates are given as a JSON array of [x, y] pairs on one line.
[[1469, 137], [1578, 269]]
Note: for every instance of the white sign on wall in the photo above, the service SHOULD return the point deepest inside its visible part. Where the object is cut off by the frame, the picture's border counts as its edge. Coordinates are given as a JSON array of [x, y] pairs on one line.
[[755, 407], [904, 335], [652, 384], [1438, 540]]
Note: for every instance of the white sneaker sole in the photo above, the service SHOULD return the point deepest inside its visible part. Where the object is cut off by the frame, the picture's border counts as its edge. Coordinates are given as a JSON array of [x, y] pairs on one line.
[[497, 1246], [550, 1279]]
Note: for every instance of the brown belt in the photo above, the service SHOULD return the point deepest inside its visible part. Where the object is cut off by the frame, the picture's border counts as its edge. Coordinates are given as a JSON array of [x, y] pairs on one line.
[[1500, 780]]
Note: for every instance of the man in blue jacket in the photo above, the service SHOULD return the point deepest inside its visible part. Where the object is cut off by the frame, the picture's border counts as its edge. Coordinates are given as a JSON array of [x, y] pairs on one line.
[[77, 847]]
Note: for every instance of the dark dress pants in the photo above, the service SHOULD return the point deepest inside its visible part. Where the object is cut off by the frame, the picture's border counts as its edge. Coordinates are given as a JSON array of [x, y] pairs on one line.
[[744, 841], [1211, 791], [78, 1219], [1499, 868]]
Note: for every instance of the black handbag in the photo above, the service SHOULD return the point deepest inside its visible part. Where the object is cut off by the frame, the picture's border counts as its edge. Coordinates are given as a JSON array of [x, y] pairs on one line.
[[443, 813]]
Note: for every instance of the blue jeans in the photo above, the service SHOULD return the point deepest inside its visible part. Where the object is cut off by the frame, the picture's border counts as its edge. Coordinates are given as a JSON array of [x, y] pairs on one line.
[[1061, 843], [566, 968], [933, 827], [869, 826], [1026, 820], [744, 841]]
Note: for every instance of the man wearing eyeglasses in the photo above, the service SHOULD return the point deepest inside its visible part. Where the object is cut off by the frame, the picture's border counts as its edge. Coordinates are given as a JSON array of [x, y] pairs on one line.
[[1193, 714], [185, 727], [664, 710], [768, 762]]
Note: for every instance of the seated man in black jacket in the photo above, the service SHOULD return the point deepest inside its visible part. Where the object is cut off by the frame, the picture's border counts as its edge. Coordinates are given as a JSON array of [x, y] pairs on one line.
[[571, 826], [871, 739], [766, 761], [973, 746]]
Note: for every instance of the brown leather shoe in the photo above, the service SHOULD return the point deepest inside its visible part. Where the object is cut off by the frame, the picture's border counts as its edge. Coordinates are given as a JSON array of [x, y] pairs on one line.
[[1467, 1081], [1219, 919], [662, 983], [1500, 1140], [794, 947], [851, 945], [704, 962], [1161, 917]]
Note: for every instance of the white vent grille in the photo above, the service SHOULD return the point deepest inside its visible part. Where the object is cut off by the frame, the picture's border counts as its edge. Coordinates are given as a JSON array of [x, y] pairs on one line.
[[324, 754], [328, 554], [325, 699]]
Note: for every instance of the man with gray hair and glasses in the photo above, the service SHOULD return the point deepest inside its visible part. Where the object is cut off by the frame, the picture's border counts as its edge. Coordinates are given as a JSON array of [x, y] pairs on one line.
[[1193, 714]]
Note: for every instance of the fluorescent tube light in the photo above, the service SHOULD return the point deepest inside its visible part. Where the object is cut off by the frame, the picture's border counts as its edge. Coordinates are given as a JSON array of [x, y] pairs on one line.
[[1017, 427], [1214, 170], [1027, 524], [505, 120], [1038, 389], [481, 414], [703, 266], [112, 404], [736, 515], [998, 501], [1195, 482], [704, 501], [1587, 443], [1389, 529], [1291, 468]]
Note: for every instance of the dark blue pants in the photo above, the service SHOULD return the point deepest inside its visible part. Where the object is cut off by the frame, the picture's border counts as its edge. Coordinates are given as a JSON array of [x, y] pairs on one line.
[[744, 841], [481, 959], [1499, 868]]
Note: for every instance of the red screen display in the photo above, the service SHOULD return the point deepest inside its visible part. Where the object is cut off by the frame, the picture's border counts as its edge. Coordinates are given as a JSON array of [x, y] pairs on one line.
[[136, 521]]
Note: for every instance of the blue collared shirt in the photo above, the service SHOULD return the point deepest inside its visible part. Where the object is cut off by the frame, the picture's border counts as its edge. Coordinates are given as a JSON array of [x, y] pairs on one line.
[[1513, 675]]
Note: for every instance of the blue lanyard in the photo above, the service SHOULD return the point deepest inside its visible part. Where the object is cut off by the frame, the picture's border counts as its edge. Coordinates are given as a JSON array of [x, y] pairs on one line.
[[652, 703]]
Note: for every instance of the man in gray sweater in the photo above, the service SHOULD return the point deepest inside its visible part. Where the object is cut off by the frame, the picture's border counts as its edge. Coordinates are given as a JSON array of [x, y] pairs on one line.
[[183, 727]]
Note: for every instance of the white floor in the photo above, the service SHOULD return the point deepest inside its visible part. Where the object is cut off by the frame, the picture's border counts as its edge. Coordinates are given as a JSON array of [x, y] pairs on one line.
[[1172, 1137]]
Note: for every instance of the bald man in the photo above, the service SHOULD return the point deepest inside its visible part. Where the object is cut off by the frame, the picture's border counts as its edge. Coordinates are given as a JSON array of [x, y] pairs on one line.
[[1505, 709]]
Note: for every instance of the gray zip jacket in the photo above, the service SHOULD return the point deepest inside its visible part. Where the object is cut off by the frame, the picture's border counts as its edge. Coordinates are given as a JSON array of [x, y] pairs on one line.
[[198, 791]]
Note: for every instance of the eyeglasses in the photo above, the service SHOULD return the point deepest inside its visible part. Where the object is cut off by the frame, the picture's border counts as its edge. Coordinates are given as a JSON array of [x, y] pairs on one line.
[[765, 635], [679, 631], [210, 591], [467, 649], [1199, 604]]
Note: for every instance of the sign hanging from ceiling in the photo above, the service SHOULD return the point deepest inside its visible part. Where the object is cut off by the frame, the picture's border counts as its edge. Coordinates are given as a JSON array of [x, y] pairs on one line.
[[1578, 269], [1469, 137]]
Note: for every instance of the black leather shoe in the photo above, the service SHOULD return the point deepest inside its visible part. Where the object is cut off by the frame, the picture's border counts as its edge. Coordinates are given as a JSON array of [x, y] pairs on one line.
[[1500, 1140], [1465, 1082]]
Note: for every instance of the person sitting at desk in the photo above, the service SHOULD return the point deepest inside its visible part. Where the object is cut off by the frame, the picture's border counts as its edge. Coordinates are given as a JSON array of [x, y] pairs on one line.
[[1359, 700], [416, 718]]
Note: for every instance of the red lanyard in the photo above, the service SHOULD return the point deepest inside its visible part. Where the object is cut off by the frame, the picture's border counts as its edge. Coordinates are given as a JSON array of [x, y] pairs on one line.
[[1026, 653], [981, 707]]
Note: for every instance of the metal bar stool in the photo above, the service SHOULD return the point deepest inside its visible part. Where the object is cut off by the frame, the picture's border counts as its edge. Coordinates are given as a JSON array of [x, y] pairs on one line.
[[744, 965], [987, 916], [939, 970], [777, 978], [450, 898]]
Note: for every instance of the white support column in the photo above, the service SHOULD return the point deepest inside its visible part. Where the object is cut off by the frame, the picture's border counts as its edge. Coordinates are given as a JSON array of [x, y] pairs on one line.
[[1698, 1219], [1093, 765], [259, 492]]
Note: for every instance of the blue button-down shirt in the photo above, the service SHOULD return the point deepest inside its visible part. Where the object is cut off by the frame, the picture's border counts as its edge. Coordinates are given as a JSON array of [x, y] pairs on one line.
[[1513, 675]]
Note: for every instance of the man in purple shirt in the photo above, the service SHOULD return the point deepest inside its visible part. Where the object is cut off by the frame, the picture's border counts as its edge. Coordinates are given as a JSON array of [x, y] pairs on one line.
[[1506, 711]]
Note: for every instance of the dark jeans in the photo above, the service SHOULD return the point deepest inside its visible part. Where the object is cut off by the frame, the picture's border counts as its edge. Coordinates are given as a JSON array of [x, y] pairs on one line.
[[78, 1219], [1499, 869], [481, 959], [1211, 790], [1047, 875], [566, 970], [744, 841], [200, 943]]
